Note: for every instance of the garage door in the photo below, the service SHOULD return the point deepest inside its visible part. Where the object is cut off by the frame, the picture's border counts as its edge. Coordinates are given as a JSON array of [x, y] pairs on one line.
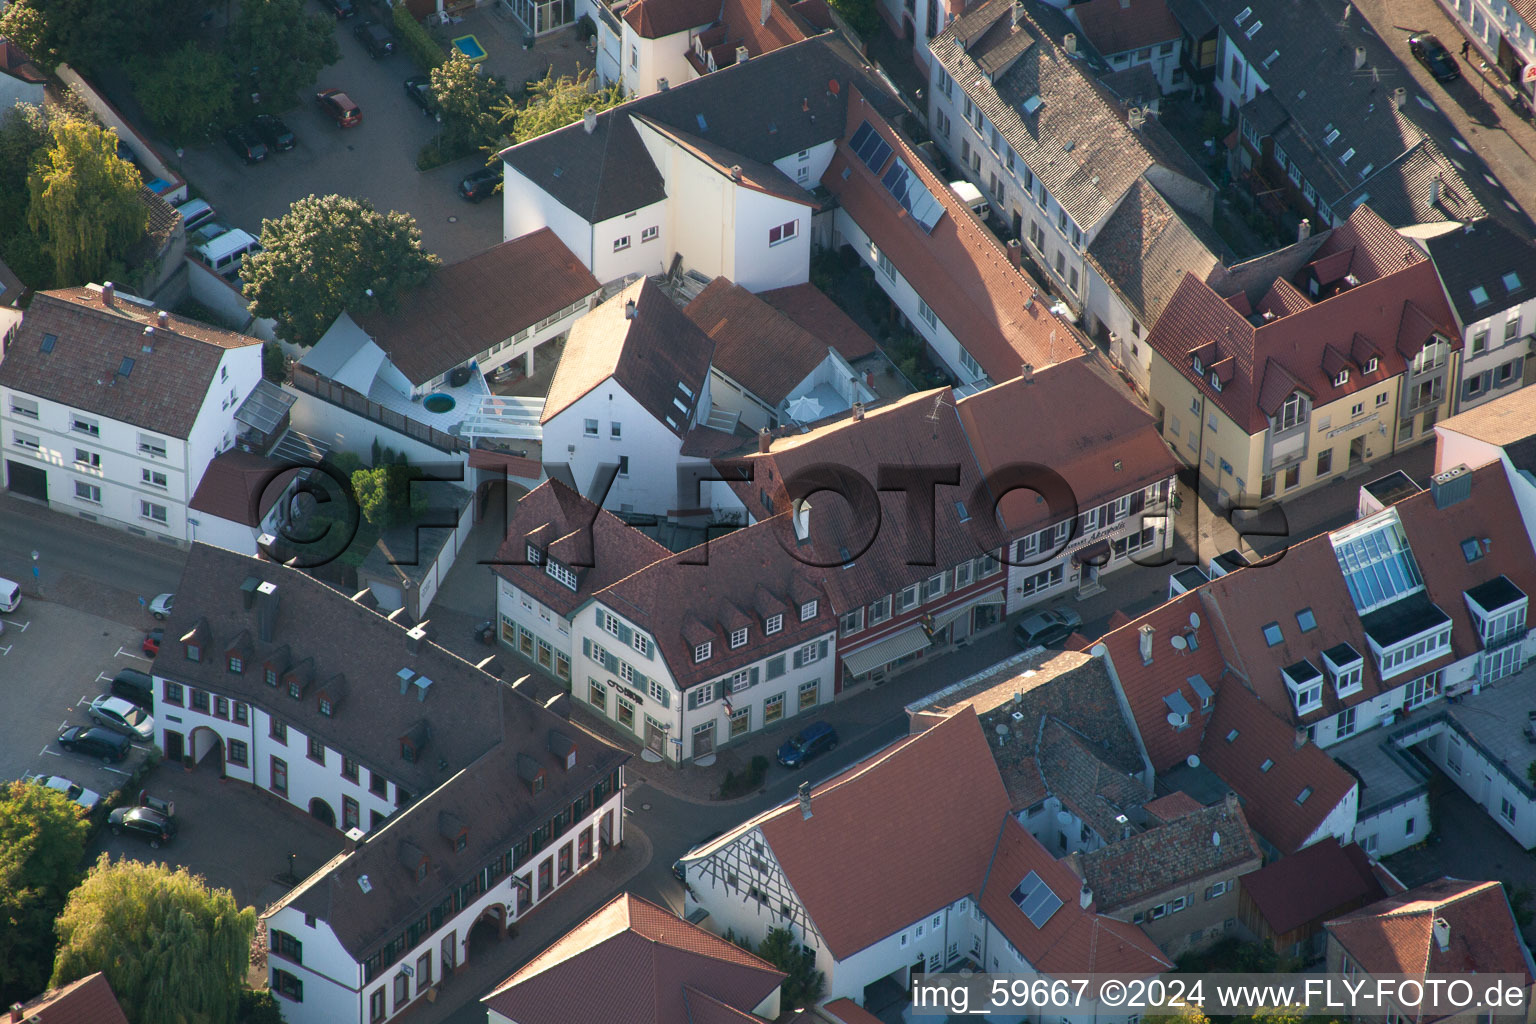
[[28, 481]]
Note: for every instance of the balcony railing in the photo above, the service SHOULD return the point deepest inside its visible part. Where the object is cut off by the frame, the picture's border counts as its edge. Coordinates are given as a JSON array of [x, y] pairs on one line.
[[324, 388]]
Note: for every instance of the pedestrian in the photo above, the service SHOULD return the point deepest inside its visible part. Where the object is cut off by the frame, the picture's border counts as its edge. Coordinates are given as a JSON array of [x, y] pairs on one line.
[[1465, 45]]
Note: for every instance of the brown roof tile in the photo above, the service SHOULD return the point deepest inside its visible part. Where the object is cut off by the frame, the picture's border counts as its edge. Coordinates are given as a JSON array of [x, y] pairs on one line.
[[755, 345], [1146, 247], [959, 268], [1322, 880], [166, 387], [648, 356], [655, 969], [655, 19], [1115, 26], [1396, 935], [1170, 855], [87, 1001], [1288, 801], [1396, 311], [807, 306], [1171, 807], [238, 486], [847, 1011], [15, 62], [1501, 422], [469, 306]]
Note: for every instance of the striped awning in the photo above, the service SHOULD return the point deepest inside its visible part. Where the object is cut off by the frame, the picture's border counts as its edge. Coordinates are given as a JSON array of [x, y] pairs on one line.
[[945, 618], [911, 639]]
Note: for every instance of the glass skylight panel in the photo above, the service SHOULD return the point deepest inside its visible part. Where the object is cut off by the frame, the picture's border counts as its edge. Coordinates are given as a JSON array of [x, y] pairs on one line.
[[1511, 281], [1479, 295], [1377, 564], [912, 194], [869, 147], [1036, 899]]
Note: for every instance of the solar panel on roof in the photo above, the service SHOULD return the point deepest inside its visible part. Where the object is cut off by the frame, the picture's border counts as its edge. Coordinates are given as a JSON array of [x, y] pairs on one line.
[[869, 147], [912, 194], [1036, 899]]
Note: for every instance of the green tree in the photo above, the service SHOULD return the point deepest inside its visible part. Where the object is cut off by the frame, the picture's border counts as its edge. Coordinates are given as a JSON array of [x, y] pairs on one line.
[[328, 254], [42, 838], [78, 31], [804, 985], [467, 99], [23, 133], [1185, 1014], [860, 15], [278, 48], [186, 93], [175, 951], [555, 103], [84, 201], [385, 495]]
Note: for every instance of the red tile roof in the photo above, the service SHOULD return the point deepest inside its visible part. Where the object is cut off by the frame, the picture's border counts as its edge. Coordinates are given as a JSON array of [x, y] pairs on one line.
[[1172, 807], [240, 487], [1270, 795], [1311, 884], [1146, 685], [959, 269], [745, 26], [1395, 311], [553, 517], [87, 1001], [936, 850], [1074, 939], [467, 307], [1082, 424], [849, 1012], [654, 19], [655, 968], [648, 355], [15, 62], [1241, 603], [1396, 935], [1115, 26], [807, 306], [755, 345]]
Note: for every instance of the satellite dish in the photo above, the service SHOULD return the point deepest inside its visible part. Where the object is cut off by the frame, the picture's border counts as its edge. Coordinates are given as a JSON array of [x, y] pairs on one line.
[[1064, 817], [1215, 838], [1179, 643], [1193, 760], [1194, 620], [1175, 719]]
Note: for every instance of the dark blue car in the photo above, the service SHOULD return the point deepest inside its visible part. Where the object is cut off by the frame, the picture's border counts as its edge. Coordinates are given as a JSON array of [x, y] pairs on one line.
[[814, 739]]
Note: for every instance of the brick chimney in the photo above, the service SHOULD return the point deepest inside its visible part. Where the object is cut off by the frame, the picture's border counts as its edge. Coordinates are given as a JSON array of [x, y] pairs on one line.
[[1147, 632], [858, 410], [1027, 371], [589, 120], [1015, 252], [1069, 42], [805, 800], [764, 440], [629, 309], [162, 319], [108, 294]]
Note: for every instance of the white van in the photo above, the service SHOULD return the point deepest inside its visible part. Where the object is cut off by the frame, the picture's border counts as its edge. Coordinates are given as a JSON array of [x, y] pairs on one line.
[[971, 196], [224, 252], [194, 214], [10, 595]]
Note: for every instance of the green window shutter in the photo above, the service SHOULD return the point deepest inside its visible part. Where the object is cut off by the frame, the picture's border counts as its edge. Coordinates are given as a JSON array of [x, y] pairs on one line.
[[650, 650], [626, 635], [753, 681], [666, 697], [822, 650], [586, 647], [799, 661]]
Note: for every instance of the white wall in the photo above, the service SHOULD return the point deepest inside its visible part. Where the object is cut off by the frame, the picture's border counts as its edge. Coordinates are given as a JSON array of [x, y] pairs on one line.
[[1239, 89], [1483, 780], [1496, 353], [653, 450], [526, 207], [646, 60], [329, 974], [1485, 21], [806, 167], [1340, 822], [639, 257], [1393, 829], [755, 264], [349, 432], [13, 91], [822, 671]]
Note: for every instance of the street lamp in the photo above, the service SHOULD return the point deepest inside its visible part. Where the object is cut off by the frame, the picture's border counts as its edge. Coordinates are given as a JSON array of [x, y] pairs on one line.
[[37, 572]]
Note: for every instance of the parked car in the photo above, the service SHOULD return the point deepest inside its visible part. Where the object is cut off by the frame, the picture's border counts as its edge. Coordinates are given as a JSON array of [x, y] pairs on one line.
[[481, 184], [77, 794], [376, 39], [277, 135], [1437, 60], [339, 107], [122, 716], [143, 822], [135, 687], [246, 144], [195, 213], [152, 641], [814, 739], [1053, 625], [94, 741], [340, 8], [678, 871], [418, 89], [162, 605]]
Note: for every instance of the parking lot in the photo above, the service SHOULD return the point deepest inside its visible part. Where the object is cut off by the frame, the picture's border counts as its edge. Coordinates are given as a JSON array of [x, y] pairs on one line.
[[54, 661], [235, 836], [375, 160]]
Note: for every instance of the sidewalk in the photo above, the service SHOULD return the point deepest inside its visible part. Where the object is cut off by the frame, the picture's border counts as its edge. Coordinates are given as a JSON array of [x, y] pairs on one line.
[[488, 966]]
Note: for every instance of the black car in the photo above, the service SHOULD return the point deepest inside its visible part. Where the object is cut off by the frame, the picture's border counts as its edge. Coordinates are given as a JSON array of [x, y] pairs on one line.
[[814, 739], [246, 144], [144, 822], [481, 184], [418, 89], [273, 132], [94, 741], [340, 8], [135, 686], [1437, 60], [376, 39]]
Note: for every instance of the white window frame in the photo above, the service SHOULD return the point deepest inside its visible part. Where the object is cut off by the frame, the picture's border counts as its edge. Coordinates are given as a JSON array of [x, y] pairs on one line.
[[773, 624], [739, 638], [701, 652], [808, 610]]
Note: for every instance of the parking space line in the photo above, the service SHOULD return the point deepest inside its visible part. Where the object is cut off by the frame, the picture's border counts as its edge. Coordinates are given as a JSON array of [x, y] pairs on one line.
[[102, 677], [117, 770], [22, 625], [55, 753], [129, 654], [6, 649]]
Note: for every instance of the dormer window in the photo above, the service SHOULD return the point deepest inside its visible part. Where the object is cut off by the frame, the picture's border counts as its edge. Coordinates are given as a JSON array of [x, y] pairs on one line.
[[773, 624], [1199, 366], [294, 690], [701, 652], [194, 652], [1215, 381], [560, 572], [236, 664], [460, 843], [532, 772], [325, 707], [534, 557], [738, 638], [1341, 379], [808, 611], [1370, 365], [1305, 684], [407, 752]]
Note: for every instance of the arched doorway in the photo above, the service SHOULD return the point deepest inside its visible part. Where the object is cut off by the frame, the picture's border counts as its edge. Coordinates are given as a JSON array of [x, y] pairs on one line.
[[207, 749], [322, 812], [490, 929]]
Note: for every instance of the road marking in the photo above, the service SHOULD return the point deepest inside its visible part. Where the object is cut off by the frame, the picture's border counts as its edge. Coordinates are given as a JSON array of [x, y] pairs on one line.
[[22, 625], [129, 654], [102, 677], [117, 770], [1460, 145], [6, 649], [1424, 102], [55, 753]]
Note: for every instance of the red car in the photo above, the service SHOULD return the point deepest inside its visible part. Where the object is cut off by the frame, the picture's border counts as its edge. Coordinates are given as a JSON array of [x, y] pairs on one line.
[[340, 107], [152, 642]]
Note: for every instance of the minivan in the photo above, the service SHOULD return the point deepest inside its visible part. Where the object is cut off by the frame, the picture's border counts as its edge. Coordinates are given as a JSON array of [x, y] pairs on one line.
[[814, 739], [223, 253], [135, 686], [10, 595], [194, 214], [94, 741]]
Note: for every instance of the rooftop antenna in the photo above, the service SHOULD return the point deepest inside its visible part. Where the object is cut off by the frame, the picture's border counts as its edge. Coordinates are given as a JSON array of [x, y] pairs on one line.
[[933, 414]]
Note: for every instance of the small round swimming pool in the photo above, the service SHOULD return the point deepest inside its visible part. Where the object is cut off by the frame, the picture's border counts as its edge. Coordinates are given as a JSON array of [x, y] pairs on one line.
[[438, 402]]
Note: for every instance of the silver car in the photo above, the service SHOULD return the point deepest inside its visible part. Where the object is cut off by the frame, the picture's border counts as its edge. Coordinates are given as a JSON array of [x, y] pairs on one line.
[[122, 716], [77, 794]]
